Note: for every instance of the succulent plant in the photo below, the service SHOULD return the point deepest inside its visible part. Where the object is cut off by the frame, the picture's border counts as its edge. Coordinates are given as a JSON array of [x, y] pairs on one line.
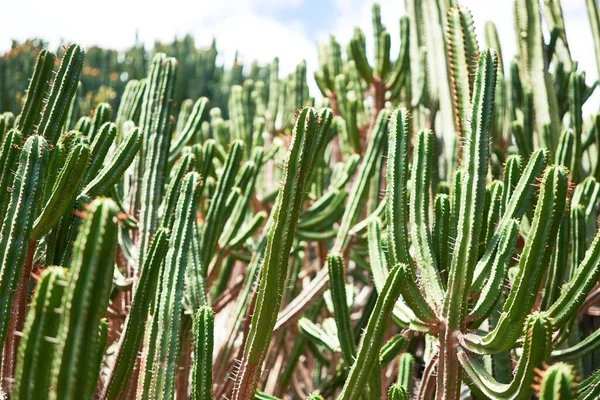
[[425, 228]]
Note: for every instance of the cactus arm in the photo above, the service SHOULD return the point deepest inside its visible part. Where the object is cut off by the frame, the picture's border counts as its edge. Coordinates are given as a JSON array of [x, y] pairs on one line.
[[36, 92], [203, 354], [113, 170], [382, 59], [577, 351], [9, 158], [576, 87], [397, 176], [191, 127], [63, 90], [169, 307], [318, 336], [100, 146], [585, 277], [356, 50], [323, 216], [146, 388], [589, 389], [564, 153], [514, 210], [554, 17], [152, 164], [7, 121], [378, 263], [248, 230], [244, 300], [594, 16], [473, 189], [458, 72], [18, 222], [493, 286], [196, 281], [130, 104], [32, 380], [441, 233], [397, 212], [406, 367], [341, 312], [557, 382], [538, 80], [493, 213], [361, 184], [455, 195], [512, 174], [102, 115], [85, 301], [578, 238], [274, 269], [533, 262], [169, 203], [419, 217], [64, 190], [236, 219], [215, 217], [536, 347], [560, 270], [392, 348], [399, 74], [133, 331], [372, 339], [83, 125]]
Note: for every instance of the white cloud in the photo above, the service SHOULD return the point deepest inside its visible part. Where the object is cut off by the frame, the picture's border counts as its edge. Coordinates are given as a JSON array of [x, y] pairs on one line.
[[236, 24], [245, 26]]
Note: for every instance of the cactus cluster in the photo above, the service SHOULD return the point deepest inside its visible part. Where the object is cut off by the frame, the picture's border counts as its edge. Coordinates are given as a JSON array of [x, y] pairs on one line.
[[425, 227]]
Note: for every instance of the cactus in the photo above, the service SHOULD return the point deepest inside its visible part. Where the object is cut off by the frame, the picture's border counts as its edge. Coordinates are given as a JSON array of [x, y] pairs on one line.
[[36, 351], [287, 208], [85, 302], [18, 223], [168, 305], [203, 349], [557, 382], [427, 228], [134, 326]]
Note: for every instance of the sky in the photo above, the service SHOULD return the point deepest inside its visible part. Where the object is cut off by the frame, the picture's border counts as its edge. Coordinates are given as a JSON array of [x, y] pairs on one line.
[[259, 29]]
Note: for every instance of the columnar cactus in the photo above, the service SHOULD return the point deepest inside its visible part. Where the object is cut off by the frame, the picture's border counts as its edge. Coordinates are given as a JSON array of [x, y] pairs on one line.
[[426, 228]]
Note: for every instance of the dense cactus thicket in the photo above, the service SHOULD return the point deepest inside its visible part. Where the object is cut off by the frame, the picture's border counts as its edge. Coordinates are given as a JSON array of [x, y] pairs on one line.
[[424, 228]]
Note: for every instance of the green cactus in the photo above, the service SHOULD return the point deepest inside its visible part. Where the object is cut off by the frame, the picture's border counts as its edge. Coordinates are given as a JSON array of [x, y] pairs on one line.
[[134, 326], [18, 222], [289, 202], [427, 228], [203, 353], [36, 351], [84, 303]]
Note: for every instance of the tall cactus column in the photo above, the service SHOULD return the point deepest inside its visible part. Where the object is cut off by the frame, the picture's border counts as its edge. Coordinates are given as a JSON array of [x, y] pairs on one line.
[[306, 139]]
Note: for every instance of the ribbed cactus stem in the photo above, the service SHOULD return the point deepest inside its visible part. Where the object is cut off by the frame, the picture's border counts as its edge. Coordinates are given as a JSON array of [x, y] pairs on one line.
[[470, 222], [32, 380], [274, 269], [133, 332], [372, 339], [18, 222], [203, 354], [85, 302], [169, 307]]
